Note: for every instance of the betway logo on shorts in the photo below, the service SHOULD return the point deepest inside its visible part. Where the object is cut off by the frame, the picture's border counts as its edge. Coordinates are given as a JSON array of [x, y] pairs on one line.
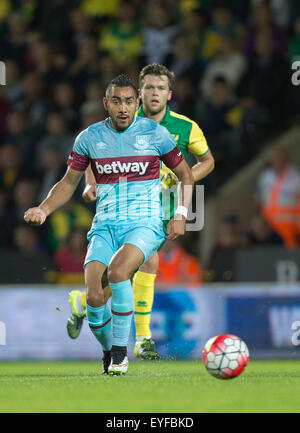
[[122, 167], [133, 168]]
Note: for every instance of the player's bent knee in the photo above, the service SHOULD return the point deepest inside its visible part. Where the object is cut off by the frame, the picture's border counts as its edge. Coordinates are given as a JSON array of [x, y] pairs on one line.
[[116, 274], [95, 296], [151, 265]]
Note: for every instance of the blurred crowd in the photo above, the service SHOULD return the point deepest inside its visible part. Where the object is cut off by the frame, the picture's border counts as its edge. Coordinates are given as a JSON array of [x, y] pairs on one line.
[[232, 61], [275, 221]]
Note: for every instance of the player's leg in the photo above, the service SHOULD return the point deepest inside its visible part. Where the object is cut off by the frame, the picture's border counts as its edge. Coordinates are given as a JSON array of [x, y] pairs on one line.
[[148, 237], [121, 268], [143, 288], [98, 312], [99, 253], [77, 300]]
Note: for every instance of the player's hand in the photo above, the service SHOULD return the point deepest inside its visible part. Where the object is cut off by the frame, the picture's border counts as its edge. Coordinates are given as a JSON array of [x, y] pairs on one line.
[[175, 228], [90, 193], [35, 216]]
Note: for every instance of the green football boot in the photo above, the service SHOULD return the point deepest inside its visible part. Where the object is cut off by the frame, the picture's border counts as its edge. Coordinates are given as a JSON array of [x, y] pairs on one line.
[[146, 350], [75, 321]]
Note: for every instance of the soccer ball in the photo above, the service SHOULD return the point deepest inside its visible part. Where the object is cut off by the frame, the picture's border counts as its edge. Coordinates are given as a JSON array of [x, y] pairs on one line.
[[225, 356]]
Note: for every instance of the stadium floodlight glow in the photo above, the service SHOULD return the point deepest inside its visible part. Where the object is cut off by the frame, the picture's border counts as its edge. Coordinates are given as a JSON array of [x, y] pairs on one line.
[[2, 74]]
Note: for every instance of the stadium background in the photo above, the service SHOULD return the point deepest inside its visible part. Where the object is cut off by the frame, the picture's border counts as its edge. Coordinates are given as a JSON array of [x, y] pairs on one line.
[[233, 65]]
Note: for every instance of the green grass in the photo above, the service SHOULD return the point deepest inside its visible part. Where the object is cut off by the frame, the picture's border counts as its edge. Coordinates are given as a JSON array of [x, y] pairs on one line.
[[166, 386]]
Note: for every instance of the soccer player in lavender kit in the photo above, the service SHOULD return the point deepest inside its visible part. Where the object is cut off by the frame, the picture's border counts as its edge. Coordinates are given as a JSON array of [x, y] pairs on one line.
[[125, 153]]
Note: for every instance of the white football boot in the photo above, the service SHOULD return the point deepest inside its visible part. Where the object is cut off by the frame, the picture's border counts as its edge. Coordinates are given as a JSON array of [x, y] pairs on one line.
[[118, 369]]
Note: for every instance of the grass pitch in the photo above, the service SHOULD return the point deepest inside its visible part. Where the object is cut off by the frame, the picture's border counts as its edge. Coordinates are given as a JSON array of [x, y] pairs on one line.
[[150, 387]]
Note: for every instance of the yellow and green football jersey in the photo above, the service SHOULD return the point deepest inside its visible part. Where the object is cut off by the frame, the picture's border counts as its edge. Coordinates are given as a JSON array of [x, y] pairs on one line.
[[189, 138]]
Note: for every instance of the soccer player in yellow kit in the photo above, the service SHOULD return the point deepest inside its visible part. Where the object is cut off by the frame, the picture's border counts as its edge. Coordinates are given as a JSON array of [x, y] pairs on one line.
[[156, 84]]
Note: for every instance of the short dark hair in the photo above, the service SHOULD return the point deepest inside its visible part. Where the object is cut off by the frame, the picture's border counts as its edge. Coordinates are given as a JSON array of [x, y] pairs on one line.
[[157, 69], [121, 80]]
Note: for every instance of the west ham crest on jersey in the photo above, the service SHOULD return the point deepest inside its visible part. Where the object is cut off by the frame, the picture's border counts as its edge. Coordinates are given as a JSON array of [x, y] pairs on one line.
[[142, 142]]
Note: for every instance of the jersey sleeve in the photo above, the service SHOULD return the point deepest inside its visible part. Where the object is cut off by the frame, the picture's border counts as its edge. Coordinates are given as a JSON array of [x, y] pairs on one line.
[[169, 152], [197, 142], [79, 157]]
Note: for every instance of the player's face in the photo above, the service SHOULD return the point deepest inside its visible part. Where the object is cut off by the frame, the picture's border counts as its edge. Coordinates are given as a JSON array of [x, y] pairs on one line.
[[121, 104], [155, 93]]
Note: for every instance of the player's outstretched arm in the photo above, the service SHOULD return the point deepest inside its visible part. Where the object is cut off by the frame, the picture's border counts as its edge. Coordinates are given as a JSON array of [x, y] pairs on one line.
[[204, 166], [198, 147], [90, 191], [176, 226], [57, 197]]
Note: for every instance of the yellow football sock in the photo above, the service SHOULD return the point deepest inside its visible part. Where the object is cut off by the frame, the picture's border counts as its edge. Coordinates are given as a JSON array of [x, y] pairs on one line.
[[83, 300], [143, 290]]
